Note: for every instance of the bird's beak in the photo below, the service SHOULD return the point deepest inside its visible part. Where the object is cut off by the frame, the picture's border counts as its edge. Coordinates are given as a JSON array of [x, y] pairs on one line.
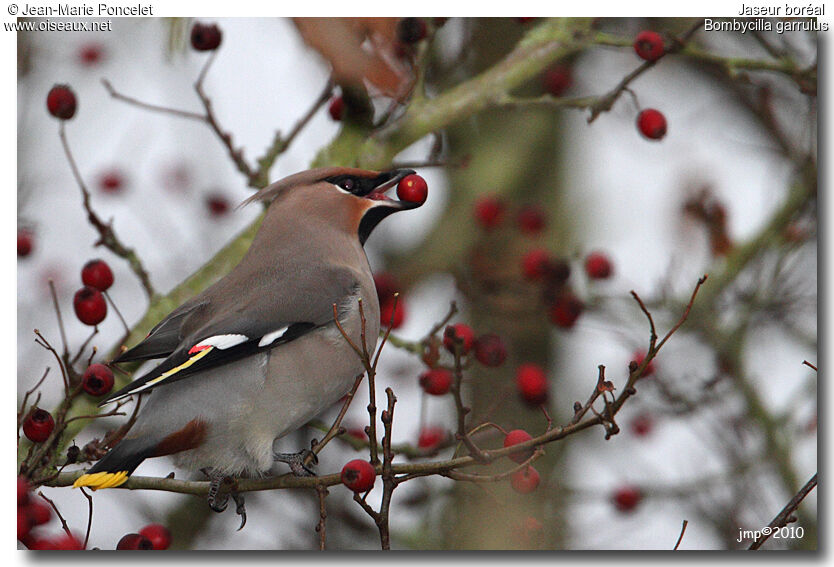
[[383, 182]]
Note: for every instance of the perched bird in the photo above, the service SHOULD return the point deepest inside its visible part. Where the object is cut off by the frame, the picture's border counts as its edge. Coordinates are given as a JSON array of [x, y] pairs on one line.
[[258, 354]]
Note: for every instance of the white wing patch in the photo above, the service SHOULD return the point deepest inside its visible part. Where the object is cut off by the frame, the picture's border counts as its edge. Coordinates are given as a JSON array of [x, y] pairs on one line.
[[270, 338], [221, 341]]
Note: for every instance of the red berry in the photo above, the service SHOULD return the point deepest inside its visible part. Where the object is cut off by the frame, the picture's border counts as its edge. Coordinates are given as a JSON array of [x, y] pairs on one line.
[[436, 381], [158, 534], [90, 307], [111, 181], [430, 437], [38, 425], [652, 124], [642, 425], [535, 264], [61, 102], [515, 437], [411, 30], [97, 274], [526, 480], [386, 312], [97, 380], [627, 498], [134, 542], [557, 79], [489, 212], [24, 523], [39, 513], [531, 380], [638, 357], [490, 350], [217, 204], [25, 240], [413, 189], [90, 54], [40, 544], [22, 491], [205, 37], [565, 310], [336, 108], [358, 475], [531, 220], [456, 332], [598, 266], [649, 45]]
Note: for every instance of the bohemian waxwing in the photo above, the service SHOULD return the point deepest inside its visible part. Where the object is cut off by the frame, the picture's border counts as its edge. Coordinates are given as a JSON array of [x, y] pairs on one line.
[[258, 354]]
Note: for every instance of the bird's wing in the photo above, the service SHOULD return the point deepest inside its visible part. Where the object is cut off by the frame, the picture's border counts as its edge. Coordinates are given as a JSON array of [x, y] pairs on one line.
[[166, 336], [260, 317]]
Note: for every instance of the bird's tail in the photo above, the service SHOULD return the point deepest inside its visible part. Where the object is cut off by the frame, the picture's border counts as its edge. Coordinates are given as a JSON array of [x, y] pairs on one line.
[[116, 466]]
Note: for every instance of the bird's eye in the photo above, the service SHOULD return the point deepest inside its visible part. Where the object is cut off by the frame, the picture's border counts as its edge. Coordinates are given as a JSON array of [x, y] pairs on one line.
[[347, 184]]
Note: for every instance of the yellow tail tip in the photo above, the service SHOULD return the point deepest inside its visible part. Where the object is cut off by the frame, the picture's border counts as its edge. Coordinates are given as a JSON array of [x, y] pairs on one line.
[[101, 480]]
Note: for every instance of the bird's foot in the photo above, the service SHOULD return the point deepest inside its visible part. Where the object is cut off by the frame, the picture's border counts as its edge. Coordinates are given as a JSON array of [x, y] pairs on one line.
[[297, 462], [218, 501]]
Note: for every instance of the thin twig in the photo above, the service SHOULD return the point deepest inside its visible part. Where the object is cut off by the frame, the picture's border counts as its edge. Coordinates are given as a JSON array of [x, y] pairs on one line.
[[89, 516], [680, 537], [335, 428], [58, 315], [107, 235], [154, 107], [783, 518], [57, 513], [320, 527]]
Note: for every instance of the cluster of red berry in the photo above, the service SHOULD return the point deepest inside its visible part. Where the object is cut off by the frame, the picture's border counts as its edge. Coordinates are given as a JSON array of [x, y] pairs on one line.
[[33, 512]]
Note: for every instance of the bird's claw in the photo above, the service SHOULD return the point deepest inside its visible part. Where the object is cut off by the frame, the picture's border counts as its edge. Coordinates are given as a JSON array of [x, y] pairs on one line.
[[297, 462], [219, 502], [240, 509]]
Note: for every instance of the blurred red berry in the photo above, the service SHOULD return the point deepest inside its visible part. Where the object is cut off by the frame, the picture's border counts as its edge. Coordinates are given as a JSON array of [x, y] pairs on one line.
[[90, 54], [217, 204], [413, 188], [598, 266], [642, 425], [159, 535], [430, 437], [489, 212], [97, 274], [67, 542], [25, 241], [358, 475], [524, 20], [111, 181], [24, 523], [386, 285], [490, 350], [97, 380], [531, 381], [557, 79], [336, 108], [134, 542], [357, 433], [89, 305], [39, 513], [627, 498], [652, 124], [638, 357], [535, 264], [458, 331], [61, 102], [531, 220], [411, 30], [38, 425], [436, 381], [515, 437], [389, 316], [525, 480], [565, 310], [22, 491], [649, 45], [205, 37]]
